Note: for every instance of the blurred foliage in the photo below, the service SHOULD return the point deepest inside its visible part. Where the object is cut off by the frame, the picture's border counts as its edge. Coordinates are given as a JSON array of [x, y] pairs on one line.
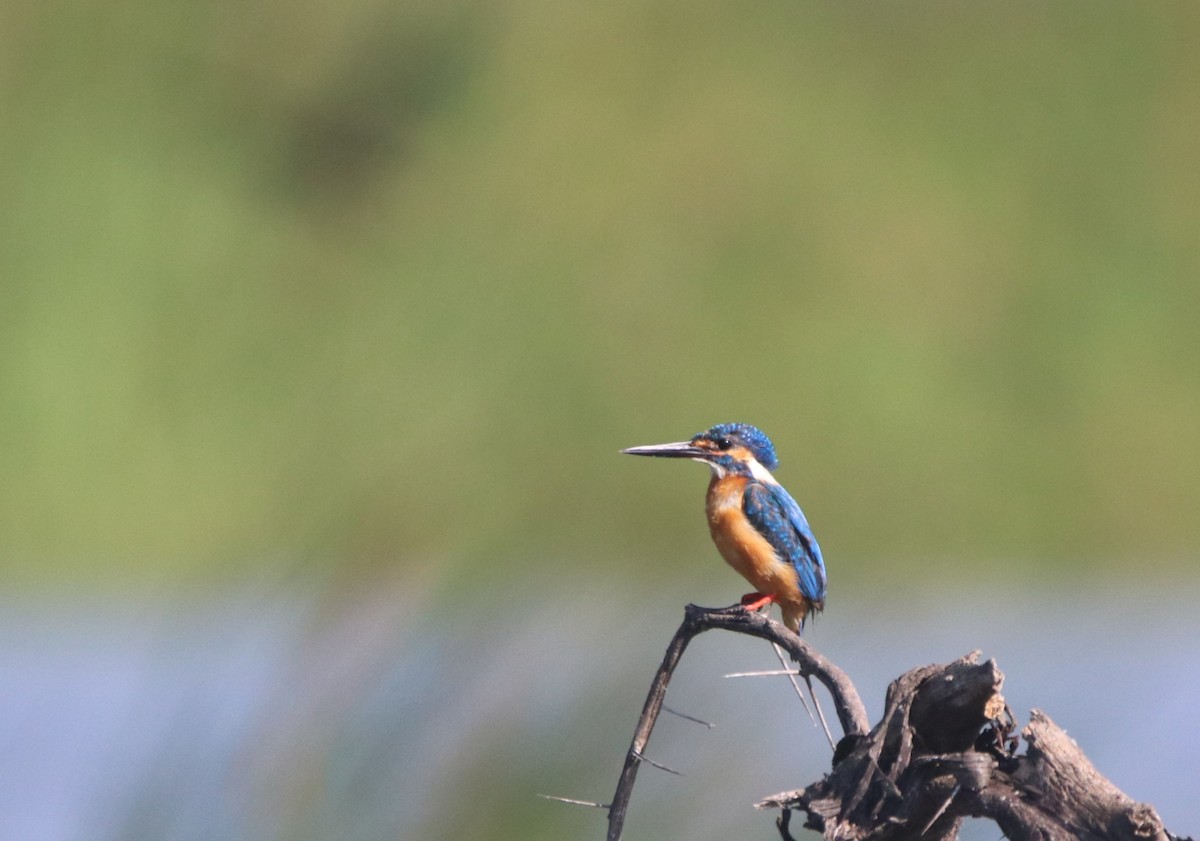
[[391, 283]]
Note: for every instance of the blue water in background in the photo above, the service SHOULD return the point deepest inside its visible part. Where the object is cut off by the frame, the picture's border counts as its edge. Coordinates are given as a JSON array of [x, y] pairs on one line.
[[274, 711]]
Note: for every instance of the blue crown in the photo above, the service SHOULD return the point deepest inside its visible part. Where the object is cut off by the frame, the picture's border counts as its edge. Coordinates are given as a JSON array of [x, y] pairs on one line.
[[750, 437]]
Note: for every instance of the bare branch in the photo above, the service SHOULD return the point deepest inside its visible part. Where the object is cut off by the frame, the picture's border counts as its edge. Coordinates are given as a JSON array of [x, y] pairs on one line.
[[696, 620], [645, 725]]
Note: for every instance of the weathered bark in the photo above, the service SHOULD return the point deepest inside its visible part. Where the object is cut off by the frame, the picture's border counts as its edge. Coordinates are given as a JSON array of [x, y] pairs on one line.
[[945, 749]]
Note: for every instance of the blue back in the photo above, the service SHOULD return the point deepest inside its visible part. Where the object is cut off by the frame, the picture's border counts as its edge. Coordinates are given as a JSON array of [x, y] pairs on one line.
[[777, 517]]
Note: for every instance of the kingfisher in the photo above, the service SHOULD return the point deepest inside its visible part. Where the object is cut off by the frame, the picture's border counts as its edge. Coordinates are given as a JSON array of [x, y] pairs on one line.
[[758, 528]]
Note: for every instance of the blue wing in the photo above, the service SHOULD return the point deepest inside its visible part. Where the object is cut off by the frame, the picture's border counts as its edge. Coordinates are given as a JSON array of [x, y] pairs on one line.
[[777, 517]]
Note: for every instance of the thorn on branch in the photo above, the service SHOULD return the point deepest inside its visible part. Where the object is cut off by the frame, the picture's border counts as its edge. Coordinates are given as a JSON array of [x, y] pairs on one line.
[[707, 724], [799, 691], [643, 758], [766, 673], [941, 810], [575, 802]]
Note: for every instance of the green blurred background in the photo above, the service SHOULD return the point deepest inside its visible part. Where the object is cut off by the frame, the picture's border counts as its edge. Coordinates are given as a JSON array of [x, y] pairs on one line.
[[369, 295]]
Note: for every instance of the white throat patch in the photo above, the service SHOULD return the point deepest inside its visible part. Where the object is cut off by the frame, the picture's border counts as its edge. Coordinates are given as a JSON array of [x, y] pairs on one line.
[[761, 473]]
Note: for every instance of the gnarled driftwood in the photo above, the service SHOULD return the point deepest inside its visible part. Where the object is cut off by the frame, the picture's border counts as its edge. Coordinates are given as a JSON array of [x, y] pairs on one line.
[[945, 749]]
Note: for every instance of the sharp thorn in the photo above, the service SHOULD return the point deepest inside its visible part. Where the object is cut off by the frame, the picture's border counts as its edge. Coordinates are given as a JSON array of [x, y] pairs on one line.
[[941, 810], [643, 758], [707, 724], [575, 802], [792, 677], [820, 712], [766, 673]]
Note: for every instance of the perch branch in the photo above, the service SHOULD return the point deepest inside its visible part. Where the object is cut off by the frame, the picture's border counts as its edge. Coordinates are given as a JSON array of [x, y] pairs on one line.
[[850, 710]]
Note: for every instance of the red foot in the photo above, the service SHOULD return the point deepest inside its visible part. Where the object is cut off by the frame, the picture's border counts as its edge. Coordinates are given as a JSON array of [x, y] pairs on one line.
[[757, 601]]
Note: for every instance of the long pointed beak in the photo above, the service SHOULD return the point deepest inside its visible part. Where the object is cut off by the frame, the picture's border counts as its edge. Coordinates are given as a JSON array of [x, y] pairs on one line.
[[679, 449]]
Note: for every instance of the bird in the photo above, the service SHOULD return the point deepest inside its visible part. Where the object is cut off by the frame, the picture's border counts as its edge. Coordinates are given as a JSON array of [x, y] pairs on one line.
[[757, 527]]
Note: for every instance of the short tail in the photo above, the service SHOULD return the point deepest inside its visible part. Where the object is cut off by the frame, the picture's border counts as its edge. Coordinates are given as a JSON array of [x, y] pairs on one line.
[[796, 615]]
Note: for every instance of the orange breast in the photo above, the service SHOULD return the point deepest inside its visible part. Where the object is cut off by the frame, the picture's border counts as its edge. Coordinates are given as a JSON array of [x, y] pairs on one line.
[[743, 548]]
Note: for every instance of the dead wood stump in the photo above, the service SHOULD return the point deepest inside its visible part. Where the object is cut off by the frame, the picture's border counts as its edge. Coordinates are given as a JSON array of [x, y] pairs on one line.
[[945, 749]]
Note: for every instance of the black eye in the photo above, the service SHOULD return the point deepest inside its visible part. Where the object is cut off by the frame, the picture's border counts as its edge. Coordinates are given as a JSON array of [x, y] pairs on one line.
[[723, 443]]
